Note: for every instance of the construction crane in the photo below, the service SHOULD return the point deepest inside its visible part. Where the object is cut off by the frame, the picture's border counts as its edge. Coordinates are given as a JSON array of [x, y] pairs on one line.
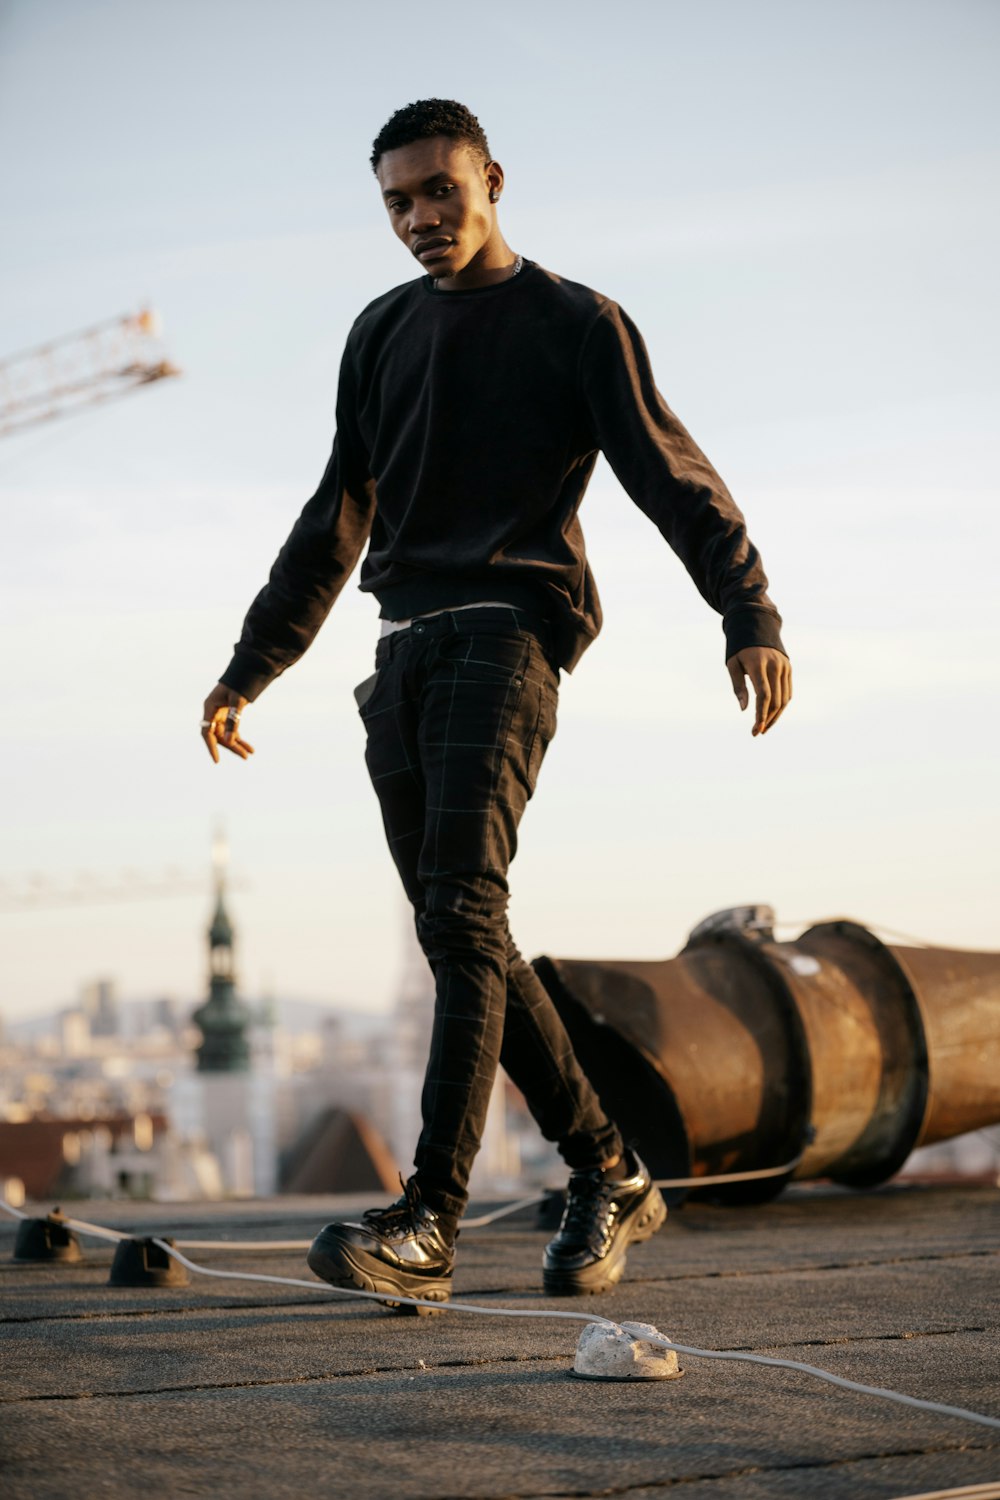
[[37, 891], [100, 364]]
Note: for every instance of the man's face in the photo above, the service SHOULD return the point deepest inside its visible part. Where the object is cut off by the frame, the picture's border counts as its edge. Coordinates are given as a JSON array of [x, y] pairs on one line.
[[437, 195]]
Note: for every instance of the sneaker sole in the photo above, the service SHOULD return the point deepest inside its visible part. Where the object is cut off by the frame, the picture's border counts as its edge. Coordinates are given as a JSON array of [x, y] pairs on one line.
[[603, 1275], [347, 1266]]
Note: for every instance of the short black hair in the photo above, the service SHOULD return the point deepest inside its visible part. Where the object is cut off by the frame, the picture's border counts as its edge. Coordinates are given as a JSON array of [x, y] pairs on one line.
[[427, 118]]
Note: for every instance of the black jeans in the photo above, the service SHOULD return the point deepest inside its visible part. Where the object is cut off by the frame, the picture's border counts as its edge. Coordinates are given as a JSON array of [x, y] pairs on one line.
[[459, 718]]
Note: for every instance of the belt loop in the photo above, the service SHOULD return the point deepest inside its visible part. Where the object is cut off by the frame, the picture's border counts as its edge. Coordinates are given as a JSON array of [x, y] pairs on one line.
[[386, 648]]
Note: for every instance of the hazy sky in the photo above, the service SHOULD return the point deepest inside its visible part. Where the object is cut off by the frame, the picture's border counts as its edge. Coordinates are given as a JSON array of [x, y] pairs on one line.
[[795, 201]]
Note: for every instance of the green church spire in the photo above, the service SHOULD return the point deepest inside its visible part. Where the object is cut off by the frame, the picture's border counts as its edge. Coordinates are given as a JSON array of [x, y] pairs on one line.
[[224, 1018]]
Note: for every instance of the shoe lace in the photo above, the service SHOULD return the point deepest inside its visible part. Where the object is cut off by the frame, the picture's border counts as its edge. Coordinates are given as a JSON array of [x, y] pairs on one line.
[[400, 1215], [587, 1199]]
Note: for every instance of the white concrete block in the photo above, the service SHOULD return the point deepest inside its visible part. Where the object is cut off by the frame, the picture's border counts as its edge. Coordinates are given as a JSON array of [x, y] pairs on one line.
[[607, 1352]]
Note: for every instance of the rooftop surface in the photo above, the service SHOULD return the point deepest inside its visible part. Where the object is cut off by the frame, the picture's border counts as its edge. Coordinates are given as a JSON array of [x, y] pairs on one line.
[[234, 1388]]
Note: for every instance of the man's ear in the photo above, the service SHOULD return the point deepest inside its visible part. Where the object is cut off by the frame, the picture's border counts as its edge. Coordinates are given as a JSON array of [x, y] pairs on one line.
[[493, 173]]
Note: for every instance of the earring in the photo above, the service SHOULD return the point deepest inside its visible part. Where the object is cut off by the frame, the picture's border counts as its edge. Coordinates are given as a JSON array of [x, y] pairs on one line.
[[494, 196]]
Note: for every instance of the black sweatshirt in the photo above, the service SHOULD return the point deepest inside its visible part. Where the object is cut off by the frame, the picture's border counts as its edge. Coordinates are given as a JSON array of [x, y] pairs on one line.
[[468, 426]]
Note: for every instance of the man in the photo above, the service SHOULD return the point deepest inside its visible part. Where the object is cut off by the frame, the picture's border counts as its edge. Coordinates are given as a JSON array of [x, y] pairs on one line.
[[472, 405]]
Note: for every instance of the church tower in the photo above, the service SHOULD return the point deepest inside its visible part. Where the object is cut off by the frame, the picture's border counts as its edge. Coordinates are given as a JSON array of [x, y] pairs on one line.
[[225, 1102], [223, 1019]]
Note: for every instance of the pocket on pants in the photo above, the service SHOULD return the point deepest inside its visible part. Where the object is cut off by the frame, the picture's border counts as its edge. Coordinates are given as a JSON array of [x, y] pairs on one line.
[[490, 659], [364, 690]]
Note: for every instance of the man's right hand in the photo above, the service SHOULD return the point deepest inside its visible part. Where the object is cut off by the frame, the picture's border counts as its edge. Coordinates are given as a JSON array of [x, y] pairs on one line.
[[220, 722], [770, 674]]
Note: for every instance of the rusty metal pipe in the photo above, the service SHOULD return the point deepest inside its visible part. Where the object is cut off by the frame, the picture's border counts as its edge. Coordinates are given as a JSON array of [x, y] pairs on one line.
[[743, 1052]]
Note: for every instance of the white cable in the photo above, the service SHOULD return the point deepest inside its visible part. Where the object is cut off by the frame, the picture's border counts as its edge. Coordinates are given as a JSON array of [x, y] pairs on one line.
[[848, 1385], [343, 1291], [501, 1213], [509, 1208], [481, 1222], [524, 1312], [113, 1234], [875, 927], [97, 1229], [520, 1312], [988, 1491], [717, 1181], [79, 1224], [243, 1244], [478, 1223]]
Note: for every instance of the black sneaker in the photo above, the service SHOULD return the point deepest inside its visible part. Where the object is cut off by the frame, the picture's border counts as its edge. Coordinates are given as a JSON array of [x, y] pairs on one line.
[[603, 1217], [400, 1250]]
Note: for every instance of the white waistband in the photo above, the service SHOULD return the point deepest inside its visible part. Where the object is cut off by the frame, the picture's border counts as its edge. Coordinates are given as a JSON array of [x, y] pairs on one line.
[[388, 627]]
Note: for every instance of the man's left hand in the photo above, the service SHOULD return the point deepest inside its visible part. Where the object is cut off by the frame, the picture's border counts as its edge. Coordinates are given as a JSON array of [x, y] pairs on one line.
[[770, 673]]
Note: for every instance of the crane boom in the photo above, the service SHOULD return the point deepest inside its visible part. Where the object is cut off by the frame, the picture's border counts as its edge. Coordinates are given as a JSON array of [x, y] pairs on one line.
[[37, 892], [98, 364]]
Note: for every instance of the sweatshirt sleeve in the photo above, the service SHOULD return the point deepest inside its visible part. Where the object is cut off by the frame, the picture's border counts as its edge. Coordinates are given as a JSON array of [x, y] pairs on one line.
[[670, 479], [314, 564]]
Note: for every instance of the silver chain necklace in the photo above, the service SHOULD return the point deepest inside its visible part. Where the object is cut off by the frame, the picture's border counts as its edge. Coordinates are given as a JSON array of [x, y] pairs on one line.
[[518, 268]]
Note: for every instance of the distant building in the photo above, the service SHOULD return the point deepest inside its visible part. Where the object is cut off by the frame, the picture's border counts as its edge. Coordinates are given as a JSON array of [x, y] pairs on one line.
[[229, 1100], [75, 1033], [224, 1020], [99, 1004], [165, 1015], [106, 1156]]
